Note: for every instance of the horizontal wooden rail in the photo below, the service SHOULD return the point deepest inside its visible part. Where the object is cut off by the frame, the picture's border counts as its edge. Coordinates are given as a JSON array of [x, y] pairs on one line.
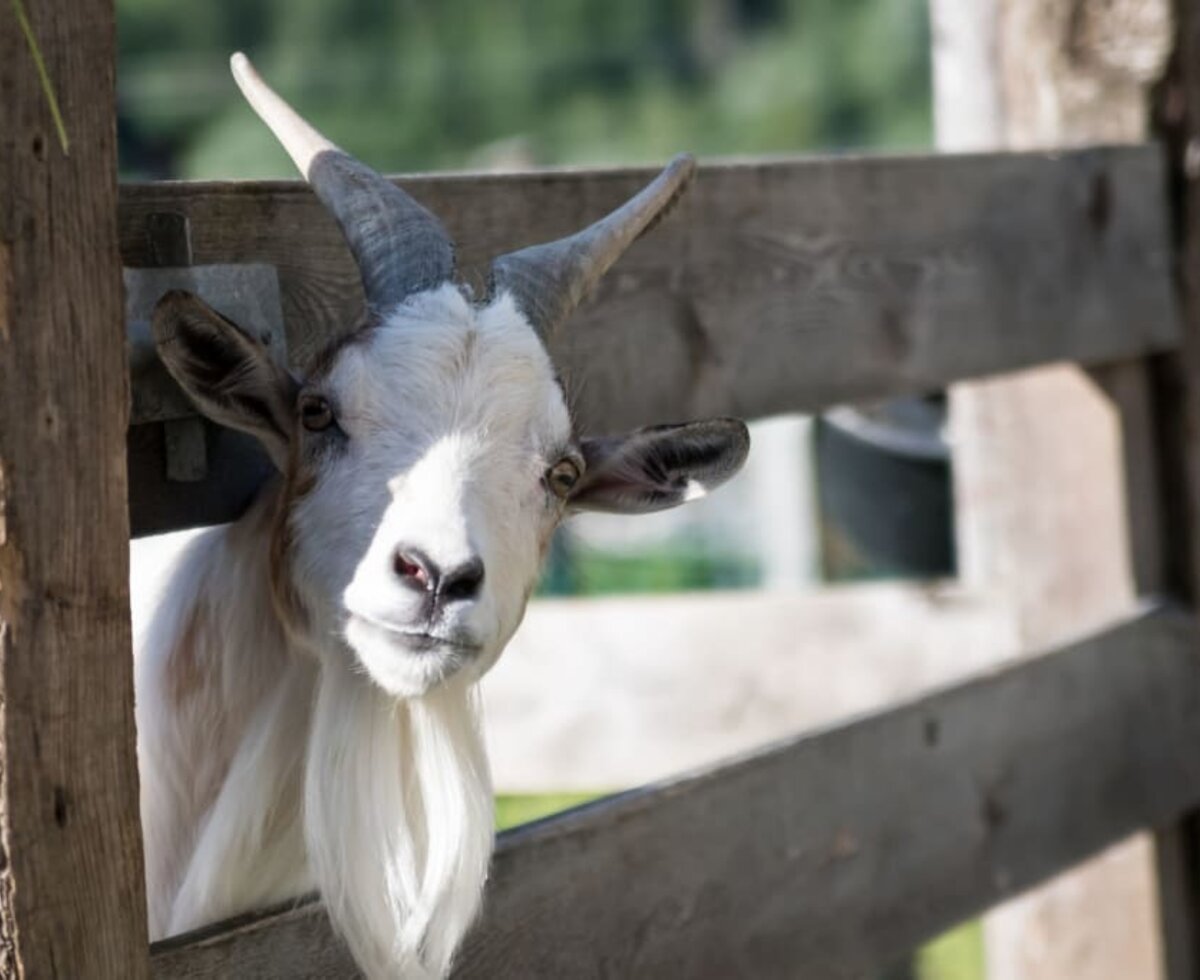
[[829, 855], [779, 286]]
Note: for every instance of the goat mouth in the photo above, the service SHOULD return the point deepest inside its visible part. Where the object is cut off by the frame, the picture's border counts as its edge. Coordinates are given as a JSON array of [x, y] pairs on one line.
[[418, 641]]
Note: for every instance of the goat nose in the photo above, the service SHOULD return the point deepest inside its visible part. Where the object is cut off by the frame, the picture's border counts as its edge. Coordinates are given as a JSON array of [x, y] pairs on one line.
[[462, 582], [416, 570]]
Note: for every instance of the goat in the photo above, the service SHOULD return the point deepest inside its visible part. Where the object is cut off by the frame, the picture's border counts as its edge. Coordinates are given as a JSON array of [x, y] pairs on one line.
[[305, 707]]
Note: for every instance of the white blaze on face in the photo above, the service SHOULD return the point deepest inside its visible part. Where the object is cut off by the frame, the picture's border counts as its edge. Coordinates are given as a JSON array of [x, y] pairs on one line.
[[448, 416]]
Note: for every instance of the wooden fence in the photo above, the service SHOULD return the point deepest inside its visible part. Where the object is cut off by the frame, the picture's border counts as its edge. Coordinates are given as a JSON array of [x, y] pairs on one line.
[[830, 855], [790, 285], [784, 286]]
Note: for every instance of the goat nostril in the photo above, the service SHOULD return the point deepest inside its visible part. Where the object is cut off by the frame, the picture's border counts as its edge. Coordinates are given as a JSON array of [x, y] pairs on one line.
[[411, 569], [463, 582], [418, 571]]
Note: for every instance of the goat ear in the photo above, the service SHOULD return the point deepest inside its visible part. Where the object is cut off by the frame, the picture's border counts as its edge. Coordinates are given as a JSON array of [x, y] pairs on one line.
[[227, 373], [660, 467]]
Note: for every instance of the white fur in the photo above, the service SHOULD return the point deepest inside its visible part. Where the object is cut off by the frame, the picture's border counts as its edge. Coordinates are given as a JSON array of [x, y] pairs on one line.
[[218, 762], [277, 758], [324, 734]]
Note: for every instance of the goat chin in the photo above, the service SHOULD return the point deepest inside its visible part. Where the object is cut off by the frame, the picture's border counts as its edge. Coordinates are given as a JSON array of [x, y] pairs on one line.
[[397, 819]]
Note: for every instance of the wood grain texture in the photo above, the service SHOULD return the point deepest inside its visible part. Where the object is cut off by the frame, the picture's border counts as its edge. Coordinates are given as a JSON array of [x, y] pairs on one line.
[[828, 855], [1054, 468], [247, 294], [773, 287], [72, 875]]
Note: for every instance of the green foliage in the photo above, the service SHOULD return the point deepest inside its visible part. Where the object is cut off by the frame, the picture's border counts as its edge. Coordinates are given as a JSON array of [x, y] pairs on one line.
[[443, 84], [677, 568], [428, 84]]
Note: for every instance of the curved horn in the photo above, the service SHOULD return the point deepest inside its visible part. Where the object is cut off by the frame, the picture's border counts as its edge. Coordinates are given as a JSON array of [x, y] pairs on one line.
[[399, 247], [549, 281]]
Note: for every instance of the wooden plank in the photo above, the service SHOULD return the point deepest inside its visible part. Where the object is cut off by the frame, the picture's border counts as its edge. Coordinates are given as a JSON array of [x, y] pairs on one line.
[[828, 855], [782, 286], [774, 286], [71, 880]]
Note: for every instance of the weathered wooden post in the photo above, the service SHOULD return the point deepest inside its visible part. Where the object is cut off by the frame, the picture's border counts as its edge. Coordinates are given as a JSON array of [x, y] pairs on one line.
[[1177, 119], [71, 891], [1055, 468]]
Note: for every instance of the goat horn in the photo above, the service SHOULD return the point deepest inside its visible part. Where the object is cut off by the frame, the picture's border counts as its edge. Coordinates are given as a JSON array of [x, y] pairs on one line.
[[548, 281], [399, 247]]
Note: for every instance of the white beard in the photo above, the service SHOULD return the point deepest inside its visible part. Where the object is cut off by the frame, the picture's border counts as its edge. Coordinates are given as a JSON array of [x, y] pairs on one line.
[[397, 820], [276, 772]]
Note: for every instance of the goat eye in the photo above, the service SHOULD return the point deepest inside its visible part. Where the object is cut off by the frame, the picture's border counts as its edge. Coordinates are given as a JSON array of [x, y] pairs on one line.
[[315, 413], [563, 476]]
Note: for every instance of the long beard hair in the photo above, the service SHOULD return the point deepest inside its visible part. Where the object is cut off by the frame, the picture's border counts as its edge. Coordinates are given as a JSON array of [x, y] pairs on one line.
[[397, 820]]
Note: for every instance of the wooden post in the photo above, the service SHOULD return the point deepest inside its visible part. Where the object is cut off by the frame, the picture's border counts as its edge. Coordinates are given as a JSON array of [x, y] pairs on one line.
[[72, 900], [1054, 469], [1177, 117]]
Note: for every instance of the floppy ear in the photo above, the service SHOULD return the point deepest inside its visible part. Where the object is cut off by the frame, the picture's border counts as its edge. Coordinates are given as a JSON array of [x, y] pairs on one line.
[[227, 373], [660, 467]]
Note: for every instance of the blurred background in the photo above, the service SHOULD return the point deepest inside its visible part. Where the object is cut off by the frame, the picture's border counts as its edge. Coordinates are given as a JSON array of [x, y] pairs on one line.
[[604, 689], [416, 86]]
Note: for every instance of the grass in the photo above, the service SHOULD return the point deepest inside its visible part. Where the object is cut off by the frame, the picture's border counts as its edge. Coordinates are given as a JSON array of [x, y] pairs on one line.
[[512, 810], [587, 571], [957, 955]]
